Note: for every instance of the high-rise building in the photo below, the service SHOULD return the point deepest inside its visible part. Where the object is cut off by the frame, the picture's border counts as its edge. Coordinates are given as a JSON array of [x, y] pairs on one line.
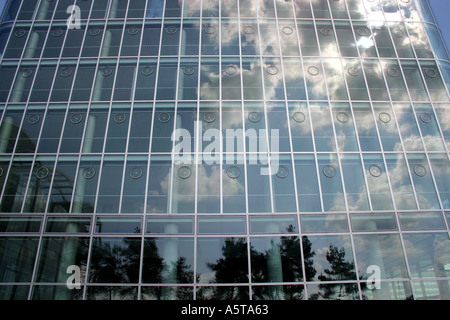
[[223, 149]]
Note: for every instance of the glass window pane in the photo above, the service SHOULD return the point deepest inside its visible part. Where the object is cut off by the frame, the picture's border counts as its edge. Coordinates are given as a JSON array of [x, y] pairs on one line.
[[17, 255], [355, 184], [429, 128], [170, 225], [307, 183], [183, 188], [141, 124], [422, 221], [258, 185], [366, 127], [57, 254], [344, 127], [62, 187], [274, 224], [115, 260], [441, 170], [333, 258], [15, 186], [208, 186], [381, 250], [377, 180], [168, 69], [222, 260], [221, 225], [73, 129], [401, 182], [31, 127], [327, 223], [387, 127], [300, 127], [63, 83], [373, 222], [20, 225], [330, 182], [427, 254], [151, 37], [233, 185], [399, 290], [119, 118], [110, 185], [86, 187], [68, 225], [146, 77], [276, 259], [133, 193], [423, 182], [323, 128], [338, 291], [431, 289], [39, 184], [159, 184], [283, 184], [95, 128], [118, 225], [168, 260]]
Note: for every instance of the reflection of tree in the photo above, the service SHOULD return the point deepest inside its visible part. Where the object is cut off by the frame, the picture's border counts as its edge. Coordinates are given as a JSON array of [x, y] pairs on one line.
[[115, 263], [156, 270], [231, 268], [341, 270]]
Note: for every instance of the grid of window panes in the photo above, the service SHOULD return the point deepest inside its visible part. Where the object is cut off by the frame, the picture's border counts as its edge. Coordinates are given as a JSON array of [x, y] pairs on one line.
[[357, 89]]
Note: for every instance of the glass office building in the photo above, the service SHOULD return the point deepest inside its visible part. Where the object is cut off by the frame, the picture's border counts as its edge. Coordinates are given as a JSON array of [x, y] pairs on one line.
[[345, 104]]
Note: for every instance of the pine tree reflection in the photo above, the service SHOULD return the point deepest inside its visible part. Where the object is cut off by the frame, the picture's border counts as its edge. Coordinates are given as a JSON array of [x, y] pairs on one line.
[[115, 261], [341, 270]]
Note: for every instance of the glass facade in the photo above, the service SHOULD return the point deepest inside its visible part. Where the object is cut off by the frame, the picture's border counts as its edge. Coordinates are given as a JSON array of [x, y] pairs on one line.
[[349, 102]]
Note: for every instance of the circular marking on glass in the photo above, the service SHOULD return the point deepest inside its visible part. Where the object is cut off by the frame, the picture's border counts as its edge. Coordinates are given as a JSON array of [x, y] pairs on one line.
[[353, 71], [132, 31], [42, 173], [299, 117], [136, 173], [397, 32], [314, 71], [26, 73], [288, 31], [420, 170], [66, 72], [254, 117], [282, 172], [426, 117], [106, 71], [230, 70], [95, 31], [272, 70], [33, 119], [164, 117], [76, 118], [57, 32], [88, 173], [19, 33], [329, 171], [171, 30], [249, 30], [375, 171], [385, 117], [431, 73], [342, 117], [189, 70], [210, 29], [147, 70], [1, 172], [325, 31], [363, 32], [233, 172], [209, 117], [184, 172], [120, 118], [393, 72]]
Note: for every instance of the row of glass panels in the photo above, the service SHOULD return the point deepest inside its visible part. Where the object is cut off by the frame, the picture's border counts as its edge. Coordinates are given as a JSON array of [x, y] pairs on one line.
[[253, 127], [319, 9], [331, 259], [395, 290], [231, 78], [226, 37], [306, 183], [225, 225]]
